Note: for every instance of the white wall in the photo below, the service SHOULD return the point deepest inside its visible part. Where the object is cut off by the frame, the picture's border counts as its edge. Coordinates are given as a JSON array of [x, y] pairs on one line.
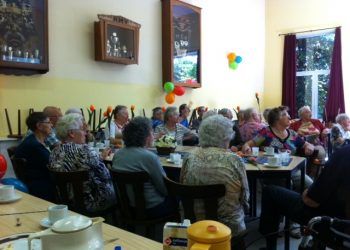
[[76, 80]]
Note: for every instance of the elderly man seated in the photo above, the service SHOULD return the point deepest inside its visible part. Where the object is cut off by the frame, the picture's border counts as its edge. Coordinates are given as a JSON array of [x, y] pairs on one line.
[[340, 133]]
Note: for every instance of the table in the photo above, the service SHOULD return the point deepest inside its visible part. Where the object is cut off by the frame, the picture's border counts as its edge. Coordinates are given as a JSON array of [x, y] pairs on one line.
[[30, 210]]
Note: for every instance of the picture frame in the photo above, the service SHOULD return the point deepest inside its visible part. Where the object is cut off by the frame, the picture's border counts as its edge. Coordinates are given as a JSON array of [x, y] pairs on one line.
[[24, 47], [116, 40], [181, 43]]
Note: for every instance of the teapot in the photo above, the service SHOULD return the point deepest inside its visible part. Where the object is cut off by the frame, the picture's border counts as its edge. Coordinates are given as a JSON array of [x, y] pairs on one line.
[[209, 234], [74, 232]]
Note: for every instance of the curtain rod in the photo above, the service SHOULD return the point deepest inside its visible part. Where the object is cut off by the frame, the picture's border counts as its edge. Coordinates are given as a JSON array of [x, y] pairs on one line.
[[305, 31]]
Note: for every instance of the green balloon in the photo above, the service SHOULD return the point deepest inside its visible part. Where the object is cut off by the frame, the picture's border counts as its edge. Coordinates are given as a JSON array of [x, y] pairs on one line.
[[233, 65], [168, 87]]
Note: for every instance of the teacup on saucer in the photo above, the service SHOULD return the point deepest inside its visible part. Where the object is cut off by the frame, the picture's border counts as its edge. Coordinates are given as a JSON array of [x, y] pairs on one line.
[[45, 223]]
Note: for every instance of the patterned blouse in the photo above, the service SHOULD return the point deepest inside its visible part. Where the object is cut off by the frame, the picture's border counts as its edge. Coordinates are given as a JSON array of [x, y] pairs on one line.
[[178, 134], [339, 132], [292, 142], [215, 166], [99, 191], [249, 129]]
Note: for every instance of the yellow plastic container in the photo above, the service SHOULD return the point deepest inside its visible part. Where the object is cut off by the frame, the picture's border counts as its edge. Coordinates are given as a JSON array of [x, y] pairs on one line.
[[209, 234]]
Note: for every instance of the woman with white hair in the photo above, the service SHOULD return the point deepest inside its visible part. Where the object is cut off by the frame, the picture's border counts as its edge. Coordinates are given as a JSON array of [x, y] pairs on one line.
[[311, 129], [173, 128], [213, 163], [340, 133], [74, 154]]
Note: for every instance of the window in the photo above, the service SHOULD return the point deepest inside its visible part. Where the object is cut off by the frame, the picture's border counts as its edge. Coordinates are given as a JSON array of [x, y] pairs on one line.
[[314, 56]]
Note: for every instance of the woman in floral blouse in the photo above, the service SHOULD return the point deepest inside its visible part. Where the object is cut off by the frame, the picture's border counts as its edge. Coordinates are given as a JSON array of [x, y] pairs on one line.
[[74, 154], [278, 135], [212, 163]]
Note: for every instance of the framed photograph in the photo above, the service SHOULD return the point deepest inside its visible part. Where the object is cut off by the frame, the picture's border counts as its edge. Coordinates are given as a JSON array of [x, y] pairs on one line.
[[116, 40], [181, 36], [24, 37]]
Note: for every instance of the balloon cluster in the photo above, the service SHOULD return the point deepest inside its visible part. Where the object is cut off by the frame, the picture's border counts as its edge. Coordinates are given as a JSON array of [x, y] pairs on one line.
[[171, 91], [10, 181], [233, 60]]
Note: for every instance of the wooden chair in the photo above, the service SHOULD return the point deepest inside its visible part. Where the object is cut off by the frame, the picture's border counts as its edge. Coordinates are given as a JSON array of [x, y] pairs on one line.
[[11, 151], [70, 184], [135, 216], [19, 167], [210, 195]]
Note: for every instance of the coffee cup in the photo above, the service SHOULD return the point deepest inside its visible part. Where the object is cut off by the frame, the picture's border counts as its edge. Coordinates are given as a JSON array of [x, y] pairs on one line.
[[269, 150], [255, 151], [57, 212], [175, 157], [273, 161], [7, 192]]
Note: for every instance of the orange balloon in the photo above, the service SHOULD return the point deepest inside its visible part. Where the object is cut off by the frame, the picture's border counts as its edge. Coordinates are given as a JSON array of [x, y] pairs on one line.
[[231, 57], [170, 98]]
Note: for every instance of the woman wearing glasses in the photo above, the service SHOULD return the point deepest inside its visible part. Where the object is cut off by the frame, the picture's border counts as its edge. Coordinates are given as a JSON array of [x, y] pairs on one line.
[[74, 154], [36, 153]]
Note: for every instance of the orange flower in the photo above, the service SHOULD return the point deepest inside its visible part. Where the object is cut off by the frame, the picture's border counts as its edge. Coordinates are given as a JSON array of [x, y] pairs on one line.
[[206, 109], [92, 108], [105, 114], [109, 109], [257, 95], [163, 109], [238, 109], [132, 107]]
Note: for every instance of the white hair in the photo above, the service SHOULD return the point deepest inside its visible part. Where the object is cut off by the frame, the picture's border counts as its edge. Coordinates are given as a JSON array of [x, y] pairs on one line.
[[341, 117], [302, 109], [67, 123]]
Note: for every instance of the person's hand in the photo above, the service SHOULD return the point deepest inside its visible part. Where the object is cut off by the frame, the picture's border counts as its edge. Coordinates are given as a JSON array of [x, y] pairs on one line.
[[246, 149], [326, 131], [106, 152], [159, 135], [234, 149], [308, 148], [340, 140]]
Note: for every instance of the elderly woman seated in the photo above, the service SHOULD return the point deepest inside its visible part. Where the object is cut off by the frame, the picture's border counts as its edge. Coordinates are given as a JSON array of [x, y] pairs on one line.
[[74, 154], [252, 124], [34, 150], [340, 133], [312, 130], [278, 135], [212, 163], [134, 157], [173, 128]]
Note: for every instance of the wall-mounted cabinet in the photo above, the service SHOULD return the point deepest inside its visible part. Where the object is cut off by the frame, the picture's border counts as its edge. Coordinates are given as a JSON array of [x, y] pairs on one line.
[[116, 40], [181, 43]]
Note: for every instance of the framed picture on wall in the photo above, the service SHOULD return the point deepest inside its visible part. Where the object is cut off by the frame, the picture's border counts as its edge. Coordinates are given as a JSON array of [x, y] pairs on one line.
[[181, 43], [24, 37]]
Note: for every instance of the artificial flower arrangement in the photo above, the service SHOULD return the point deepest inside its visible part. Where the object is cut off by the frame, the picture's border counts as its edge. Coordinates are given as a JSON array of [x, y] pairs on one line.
[[165, 145], [166, 141], [107, 116], [91, 111]]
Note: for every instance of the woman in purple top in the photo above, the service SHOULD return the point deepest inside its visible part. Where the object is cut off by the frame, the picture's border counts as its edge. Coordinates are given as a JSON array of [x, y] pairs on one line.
[[252, 124]]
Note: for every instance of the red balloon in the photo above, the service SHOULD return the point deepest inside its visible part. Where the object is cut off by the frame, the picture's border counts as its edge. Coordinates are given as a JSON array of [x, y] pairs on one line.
[[178, 90], [3, 165]]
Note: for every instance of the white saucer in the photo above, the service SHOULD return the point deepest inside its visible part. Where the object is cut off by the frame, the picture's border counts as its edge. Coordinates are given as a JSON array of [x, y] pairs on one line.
[[45, 223], [266, 154], [13, 199], [19, 242], [266, 165], [169, 160]]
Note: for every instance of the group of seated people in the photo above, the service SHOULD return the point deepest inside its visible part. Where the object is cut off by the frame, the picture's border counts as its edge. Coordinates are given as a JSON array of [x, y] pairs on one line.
[[211, 163]]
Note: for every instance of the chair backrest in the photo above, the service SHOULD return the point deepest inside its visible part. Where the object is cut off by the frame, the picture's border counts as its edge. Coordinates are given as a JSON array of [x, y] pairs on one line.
[[70, 184], [11, 151], [134, 181], [210, 195], [19, 167]]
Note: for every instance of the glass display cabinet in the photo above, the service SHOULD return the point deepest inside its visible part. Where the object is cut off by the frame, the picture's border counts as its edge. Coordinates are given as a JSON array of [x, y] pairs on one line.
[[116, 40]]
